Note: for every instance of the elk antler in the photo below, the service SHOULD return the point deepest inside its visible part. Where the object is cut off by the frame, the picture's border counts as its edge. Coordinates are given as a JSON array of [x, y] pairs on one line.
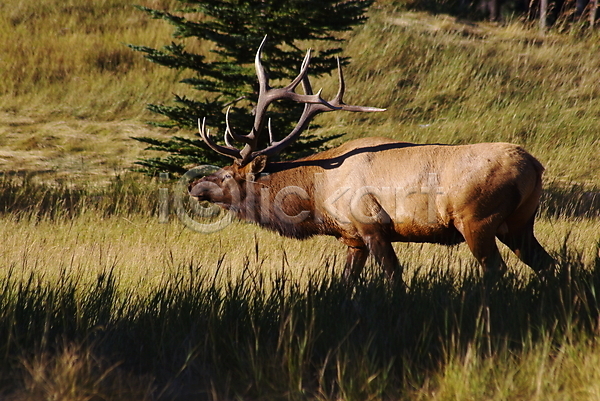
[[314, 104]]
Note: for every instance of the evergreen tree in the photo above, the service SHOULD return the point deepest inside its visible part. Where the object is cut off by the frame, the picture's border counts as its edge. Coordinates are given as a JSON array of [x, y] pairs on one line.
[[236, 28]]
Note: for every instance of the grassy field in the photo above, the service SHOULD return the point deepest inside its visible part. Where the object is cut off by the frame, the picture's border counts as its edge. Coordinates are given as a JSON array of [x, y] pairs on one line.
[[125, 307], [99, 300]]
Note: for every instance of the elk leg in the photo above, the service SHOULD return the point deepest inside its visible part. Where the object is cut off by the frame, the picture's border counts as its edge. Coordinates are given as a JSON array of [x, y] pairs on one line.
[[482, 243], [373, 224], [355, 262], [384, 254], [528, 249], [487, 254]]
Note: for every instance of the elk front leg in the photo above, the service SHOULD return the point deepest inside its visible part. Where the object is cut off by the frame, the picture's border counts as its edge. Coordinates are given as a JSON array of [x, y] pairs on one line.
[[481, 239], [384, 255], [355, 262], [374, 225]]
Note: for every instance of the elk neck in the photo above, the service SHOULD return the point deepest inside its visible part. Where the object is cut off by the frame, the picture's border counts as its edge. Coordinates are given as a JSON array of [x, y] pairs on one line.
[[281, 199]]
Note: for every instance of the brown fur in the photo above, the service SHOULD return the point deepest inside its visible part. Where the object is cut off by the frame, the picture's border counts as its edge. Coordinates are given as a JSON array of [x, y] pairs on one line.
[[371, 192]]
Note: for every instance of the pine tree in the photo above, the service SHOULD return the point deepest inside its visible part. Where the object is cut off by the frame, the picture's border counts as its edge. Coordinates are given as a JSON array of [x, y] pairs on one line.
[[236, 28]]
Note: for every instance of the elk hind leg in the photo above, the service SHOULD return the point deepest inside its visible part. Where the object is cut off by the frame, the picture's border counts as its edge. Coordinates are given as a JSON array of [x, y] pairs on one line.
[[524, 244]]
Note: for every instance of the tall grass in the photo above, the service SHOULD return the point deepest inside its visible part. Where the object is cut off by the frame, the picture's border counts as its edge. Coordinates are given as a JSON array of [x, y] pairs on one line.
[[256, 337], [28, 197]]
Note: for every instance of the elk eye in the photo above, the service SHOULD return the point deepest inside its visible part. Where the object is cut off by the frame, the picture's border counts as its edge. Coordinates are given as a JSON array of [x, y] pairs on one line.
[[227, 176]]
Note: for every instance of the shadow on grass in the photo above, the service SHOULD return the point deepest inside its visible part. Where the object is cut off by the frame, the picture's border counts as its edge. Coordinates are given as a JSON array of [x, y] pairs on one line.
[[560, 200], [255, 337], [28, 197]]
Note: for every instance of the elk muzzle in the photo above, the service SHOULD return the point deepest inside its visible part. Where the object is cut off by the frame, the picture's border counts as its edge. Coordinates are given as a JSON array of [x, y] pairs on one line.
[[203, 190]]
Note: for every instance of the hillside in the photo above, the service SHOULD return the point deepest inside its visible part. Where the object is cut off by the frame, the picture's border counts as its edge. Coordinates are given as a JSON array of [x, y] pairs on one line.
[[73, 93]]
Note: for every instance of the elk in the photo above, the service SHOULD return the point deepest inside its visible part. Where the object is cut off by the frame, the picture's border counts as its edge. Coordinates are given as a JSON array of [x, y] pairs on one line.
[[371, 192]]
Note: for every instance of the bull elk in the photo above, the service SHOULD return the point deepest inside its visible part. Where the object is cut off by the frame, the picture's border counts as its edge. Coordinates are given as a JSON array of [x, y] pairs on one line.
[[371, 192]]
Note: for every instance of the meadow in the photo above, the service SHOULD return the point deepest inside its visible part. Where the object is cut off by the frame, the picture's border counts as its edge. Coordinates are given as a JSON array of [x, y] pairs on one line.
[[100, 300]]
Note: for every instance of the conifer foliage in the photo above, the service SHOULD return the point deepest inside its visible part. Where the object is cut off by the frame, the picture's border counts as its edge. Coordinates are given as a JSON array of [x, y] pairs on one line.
[[226, 78]]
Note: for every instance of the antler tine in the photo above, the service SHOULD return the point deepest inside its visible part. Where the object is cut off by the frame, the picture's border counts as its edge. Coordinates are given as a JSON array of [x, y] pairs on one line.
[[263, 78], [228, 135], [225, 151], [240, 138], [306, 86], [271, 140], [302, 75], [338, 99], [342, 88], [227, 138]]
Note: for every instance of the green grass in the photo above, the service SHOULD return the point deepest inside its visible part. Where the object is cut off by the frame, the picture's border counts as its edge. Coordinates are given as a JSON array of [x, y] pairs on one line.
[[69, 59], [99, 300], [72, 92]]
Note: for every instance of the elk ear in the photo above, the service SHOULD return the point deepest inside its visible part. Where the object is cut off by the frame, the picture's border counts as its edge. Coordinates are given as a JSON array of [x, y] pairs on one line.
[[258, 164]]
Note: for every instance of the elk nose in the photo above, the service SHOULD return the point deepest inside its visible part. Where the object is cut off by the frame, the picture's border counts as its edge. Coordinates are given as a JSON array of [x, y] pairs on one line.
[[197, 191]]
